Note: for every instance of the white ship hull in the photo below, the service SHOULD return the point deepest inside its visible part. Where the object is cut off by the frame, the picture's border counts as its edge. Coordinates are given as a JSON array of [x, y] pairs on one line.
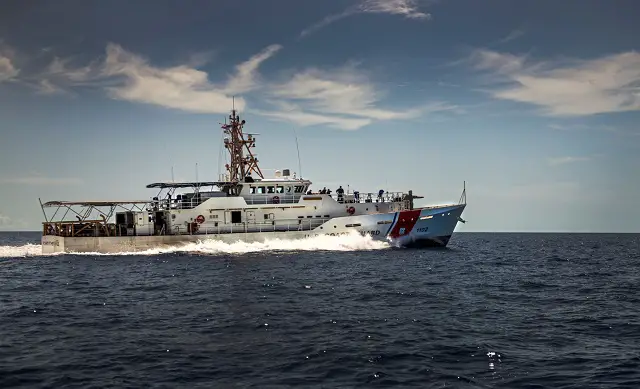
[[422, 227]]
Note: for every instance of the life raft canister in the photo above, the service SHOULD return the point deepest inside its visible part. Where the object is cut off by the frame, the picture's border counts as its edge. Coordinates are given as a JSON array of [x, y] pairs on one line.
[[351, 210], [200, 219], [275, 199]]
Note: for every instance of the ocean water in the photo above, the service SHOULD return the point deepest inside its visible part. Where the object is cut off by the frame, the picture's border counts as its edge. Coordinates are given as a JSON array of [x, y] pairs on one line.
[[491, 310]]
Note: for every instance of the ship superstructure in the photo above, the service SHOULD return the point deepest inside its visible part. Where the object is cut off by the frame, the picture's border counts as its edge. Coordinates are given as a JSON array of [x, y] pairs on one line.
[[243, 205]]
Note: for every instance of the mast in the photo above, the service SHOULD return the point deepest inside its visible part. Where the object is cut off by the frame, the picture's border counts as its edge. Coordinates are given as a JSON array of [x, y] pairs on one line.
[[240, 166]]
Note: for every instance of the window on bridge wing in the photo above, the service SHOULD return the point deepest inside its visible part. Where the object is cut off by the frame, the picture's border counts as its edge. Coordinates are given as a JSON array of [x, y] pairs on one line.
[[271, 189], [299, 189]]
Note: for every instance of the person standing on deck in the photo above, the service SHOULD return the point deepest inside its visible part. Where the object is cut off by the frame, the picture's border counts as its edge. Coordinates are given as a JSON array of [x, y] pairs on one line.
[[340, 193]]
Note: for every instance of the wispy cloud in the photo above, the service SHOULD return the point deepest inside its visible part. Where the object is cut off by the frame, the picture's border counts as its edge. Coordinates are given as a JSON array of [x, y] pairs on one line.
[[342, 98], [179, 87], [246, 73], [295, 114], [574, 127], [40, 180], [8, 70], [60, 68], [513, 35], [129, 76], [565, 88], [555, 161], [45, 87], [407, 8]]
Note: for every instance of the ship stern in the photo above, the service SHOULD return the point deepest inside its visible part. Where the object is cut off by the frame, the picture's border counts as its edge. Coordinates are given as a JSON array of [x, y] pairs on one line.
[[52, 244]]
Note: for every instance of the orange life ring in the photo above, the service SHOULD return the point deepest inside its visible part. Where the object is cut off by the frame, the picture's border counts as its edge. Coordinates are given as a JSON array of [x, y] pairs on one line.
[[200, 219], [275, 199], [351, 210]]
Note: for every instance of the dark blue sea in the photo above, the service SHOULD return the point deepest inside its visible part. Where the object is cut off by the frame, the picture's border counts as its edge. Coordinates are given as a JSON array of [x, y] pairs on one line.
[[490, 311]]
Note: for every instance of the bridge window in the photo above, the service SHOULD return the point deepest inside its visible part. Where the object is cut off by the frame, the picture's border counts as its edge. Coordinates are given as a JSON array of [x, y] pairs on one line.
[[271, 189], [299, 189], [261, 190], [279, 189], [252, 190], [288, 189]]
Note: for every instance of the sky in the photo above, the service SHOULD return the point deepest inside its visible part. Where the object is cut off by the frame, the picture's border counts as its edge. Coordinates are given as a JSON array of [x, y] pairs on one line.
[[534, 104]]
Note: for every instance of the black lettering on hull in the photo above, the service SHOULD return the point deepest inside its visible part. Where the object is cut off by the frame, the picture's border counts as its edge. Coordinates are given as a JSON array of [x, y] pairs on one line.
[[363, 233]]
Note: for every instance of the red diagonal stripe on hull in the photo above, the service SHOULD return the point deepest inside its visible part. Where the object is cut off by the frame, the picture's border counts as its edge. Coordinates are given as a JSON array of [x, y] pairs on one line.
[[406, 220]]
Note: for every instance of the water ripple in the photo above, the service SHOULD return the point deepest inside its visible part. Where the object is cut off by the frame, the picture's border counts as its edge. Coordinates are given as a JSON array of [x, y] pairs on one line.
[[493, 310]]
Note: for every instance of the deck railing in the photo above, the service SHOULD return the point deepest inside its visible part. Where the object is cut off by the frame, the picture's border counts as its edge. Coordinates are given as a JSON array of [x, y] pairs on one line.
[[91, 229], [387, 197], [282, 198]]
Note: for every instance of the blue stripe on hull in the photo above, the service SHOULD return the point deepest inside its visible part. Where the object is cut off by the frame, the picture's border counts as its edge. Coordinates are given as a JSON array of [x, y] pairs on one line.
[[393, 223]]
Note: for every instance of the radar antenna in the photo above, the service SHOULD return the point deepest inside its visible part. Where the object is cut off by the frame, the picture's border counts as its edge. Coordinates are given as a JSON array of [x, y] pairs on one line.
[[240, 166]]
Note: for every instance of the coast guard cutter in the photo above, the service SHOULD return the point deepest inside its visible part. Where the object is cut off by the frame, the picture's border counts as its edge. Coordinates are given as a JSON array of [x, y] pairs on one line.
[[243, 206]]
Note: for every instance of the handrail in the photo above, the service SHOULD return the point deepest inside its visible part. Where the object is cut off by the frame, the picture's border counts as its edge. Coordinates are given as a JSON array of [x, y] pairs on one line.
[[369, 197]]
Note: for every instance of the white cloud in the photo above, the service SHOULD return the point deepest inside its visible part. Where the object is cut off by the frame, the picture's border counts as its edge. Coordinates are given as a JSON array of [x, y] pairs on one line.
[[567, 88], [293, 113], [245, 78], [45, 87], [7, 69], [342, 98], [59, 68], [407, 8], [555, 161], [130, 77], [513, 35], [40, 180], [178, 87]]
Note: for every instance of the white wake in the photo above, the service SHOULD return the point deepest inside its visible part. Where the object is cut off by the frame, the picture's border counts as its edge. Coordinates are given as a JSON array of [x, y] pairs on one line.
[[28, 250], [352, 242]]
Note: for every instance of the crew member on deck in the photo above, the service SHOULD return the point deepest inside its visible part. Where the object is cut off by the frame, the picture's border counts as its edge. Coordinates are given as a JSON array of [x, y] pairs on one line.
[[356, 196], [380, 193], [340, 193]]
